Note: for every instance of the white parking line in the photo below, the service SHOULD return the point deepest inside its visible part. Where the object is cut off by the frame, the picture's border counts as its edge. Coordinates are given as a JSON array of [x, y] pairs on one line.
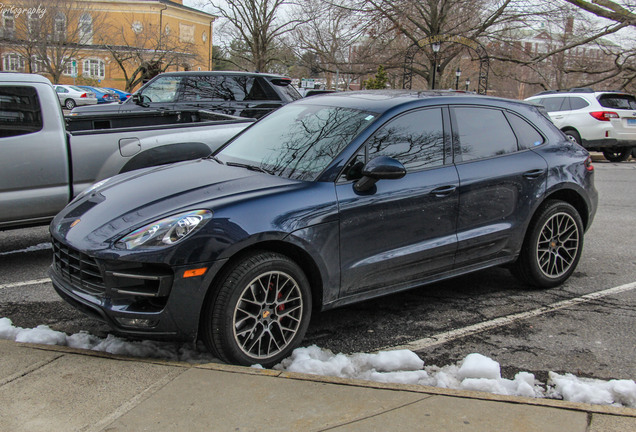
[[25, 283], [444, 337]]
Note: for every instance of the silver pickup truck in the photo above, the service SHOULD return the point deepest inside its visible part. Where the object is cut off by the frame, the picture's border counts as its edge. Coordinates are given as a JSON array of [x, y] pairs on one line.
[[45, 162]]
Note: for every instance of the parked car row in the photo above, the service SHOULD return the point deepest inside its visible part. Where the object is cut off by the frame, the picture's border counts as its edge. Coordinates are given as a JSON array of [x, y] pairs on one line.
[[72, 96]]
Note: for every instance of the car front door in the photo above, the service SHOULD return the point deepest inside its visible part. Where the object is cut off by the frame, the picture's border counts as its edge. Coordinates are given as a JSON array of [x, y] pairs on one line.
[[500, 182], [399, 231]]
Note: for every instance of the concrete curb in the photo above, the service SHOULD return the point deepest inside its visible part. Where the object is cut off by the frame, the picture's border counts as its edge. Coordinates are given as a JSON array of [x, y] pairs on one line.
[[465, 394]]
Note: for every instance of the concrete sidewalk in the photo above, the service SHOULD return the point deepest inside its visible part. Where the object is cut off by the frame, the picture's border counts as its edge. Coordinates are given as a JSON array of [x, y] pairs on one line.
[[50, 388]]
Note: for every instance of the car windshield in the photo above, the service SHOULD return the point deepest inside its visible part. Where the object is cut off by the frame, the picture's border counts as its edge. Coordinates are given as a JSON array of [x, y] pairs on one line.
[[297, 141]]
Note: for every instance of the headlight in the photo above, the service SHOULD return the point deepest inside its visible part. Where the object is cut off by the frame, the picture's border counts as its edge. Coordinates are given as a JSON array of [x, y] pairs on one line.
[[165, 232]]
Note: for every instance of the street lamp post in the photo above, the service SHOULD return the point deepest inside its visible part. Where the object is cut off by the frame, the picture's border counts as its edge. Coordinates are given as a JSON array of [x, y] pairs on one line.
[[436, 46], [467, 83], [458, 73]]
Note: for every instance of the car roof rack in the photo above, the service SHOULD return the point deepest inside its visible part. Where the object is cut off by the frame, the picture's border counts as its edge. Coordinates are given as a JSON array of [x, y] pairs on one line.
[[568, 90]]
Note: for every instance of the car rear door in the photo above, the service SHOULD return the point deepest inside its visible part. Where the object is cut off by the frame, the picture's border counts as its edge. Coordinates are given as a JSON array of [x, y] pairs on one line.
[[500, 182], [400, 231]]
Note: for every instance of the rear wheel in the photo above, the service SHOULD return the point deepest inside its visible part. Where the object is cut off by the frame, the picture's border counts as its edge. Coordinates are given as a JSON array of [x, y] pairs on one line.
[[260, 312], [620, 154], [552, 247], [573, 135], [69, 104]]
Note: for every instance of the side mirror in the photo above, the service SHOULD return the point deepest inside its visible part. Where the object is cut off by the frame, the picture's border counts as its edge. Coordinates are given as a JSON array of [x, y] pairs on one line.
[[140, 99], [380, 168]]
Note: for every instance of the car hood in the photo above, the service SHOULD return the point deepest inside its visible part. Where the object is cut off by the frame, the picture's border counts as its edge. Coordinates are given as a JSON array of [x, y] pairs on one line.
[[131, 200]]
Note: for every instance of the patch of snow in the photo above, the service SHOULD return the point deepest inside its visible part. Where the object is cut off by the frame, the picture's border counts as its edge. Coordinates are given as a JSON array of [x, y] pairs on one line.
[[42, 334], [475, 372]]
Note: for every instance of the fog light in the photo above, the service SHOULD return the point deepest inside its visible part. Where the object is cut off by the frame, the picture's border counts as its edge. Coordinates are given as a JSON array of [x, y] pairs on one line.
[[136, 322]]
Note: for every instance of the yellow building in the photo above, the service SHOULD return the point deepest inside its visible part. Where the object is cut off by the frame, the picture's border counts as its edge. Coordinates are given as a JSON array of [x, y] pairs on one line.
[[110, 43]]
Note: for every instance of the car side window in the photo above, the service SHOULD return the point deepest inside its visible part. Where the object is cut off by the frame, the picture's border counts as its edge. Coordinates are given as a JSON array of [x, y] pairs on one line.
[[20, 111], [416, 139], [482, 133], [578, 103], [164, 89], [553, 104], [201, 88], [527, 136]]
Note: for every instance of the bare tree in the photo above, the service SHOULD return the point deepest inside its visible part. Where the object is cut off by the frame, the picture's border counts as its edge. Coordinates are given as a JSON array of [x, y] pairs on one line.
[[612, 10], [337, 40], [54, 34], [256, 28], [146, 50]]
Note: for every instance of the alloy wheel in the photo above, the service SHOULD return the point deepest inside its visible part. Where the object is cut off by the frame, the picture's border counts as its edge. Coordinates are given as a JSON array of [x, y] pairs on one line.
[[558, 245], [268, 314]]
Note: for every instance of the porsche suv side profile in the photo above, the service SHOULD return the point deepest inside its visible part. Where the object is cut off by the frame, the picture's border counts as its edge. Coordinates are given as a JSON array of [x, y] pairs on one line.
[[327, 201]]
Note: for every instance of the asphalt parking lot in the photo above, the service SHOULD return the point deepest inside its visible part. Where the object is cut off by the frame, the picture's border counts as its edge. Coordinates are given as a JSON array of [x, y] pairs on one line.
[[442, 322]]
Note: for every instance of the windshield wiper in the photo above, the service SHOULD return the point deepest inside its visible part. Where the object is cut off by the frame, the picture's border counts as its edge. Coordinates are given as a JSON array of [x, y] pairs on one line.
[[249, 167], [215, 159]]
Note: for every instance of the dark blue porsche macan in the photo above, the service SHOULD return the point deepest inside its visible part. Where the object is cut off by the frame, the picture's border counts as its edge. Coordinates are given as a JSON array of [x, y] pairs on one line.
[[327, 201]]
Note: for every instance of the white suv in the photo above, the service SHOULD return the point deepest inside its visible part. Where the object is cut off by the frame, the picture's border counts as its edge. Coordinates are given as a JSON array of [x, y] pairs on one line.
[[601, 121]]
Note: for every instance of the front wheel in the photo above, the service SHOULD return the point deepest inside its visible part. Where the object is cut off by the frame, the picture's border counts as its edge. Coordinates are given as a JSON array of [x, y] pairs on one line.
[[260, 311], [552, 247], [617, 155]]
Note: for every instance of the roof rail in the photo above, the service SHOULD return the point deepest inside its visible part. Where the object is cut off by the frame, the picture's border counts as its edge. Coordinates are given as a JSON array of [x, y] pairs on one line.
[[568, 90]]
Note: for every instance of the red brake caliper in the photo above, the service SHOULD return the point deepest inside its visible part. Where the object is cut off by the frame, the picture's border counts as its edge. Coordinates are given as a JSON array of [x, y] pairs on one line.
[[280, 307]]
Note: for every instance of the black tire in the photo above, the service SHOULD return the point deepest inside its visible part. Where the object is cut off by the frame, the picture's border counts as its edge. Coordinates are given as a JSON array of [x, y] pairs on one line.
[[69, 104], [573, 135], [618, 154], [552, 247], [259, 312]]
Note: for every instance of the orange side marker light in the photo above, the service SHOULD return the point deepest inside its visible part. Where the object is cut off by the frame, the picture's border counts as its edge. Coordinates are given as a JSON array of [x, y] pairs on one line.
[[194, 272]]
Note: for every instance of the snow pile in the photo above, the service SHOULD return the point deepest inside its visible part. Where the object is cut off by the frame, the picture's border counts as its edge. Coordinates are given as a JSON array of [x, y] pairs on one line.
[[474, 372], [42, 334]]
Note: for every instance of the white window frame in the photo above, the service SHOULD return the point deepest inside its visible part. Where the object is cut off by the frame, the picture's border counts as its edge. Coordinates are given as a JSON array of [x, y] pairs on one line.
[[90, 66], [13, 62], [69, 69], [8, 17], [85, 29]]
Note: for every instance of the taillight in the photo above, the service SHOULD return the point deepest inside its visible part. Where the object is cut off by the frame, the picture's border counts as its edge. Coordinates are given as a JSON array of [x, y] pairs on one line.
[[83, 95], [588, 164], [604, 115]]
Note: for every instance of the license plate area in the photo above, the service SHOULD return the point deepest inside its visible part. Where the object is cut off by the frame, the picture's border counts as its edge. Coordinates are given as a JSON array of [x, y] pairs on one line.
[[631, 122]]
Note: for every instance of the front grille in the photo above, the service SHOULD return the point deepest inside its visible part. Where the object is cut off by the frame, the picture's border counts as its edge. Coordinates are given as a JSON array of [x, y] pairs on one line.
[[78, 269]]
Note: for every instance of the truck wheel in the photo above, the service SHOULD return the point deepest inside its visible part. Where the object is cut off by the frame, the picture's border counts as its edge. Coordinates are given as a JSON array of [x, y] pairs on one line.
[[620, 154], [260, 312], [573, 135], [69, 104], [552, 247]]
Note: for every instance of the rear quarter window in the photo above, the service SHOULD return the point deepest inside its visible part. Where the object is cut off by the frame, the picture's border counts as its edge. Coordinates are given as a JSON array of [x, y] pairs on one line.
[[527, 136], [20, 111]]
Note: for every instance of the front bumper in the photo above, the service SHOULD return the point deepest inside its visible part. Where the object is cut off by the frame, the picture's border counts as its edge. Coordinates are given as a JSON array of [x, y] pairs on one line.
[[173, 315]]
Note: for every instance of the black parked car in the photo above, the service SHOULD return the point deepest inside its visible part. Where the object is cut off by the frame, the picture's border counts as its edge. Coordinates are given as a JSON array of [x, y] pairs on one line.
[[327, 201], [241, 94]]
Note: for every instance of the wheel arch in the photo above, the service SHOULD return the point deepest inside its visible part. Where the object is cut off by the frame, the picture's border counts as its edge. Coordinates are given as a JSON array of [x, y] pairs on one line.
[[295, 253], [573, 198]]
